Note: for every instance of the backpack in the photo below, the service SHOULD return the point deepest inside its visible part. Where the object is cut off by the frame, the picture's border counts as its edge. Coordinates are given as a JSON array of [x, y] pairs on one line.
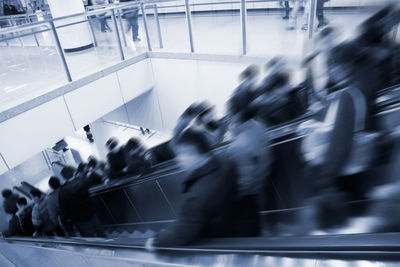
[[317, 135]]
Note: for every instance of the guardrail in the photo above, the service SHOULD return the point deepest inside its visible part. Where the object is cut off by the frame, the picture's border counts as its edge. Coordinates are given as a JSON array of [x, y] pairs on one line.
[[116, 10]]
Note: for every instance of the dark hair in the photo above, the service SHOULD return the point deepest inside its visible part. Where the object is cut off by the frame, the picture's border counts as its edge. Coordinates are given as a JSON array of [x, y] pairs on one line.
[[81, 167], [111, 143], [92, 162], [326, 31], [195, 109], [22, 201], [67, 172], [54, 182], [194, 138], [250, 71], [36, 193], [6, 193], [132, 143]]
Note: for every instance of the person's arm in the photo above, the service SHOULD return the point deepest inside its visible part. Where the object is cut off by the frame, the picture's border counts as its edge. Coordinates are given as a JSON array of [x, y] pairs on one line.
[[187, 228]]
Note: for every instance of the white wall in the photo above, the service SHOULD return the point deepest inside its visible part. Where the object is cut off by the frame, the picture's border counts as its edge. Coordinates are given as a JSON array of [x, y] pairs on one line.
[[179, 83], [41, 127]]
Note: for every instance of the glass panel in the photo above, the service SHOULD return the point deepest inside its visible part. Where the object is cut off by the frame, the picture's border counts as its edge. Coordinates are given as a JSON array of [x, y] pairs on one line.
[[132, 32], [90, 43], [28, 71], [218, 31], [173, 27]]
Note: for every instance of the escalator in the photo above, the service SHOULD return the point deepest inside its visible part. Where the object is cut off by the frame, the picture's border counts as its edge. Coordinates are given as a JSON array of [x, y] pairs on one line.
[[262, 251], [133, 209]]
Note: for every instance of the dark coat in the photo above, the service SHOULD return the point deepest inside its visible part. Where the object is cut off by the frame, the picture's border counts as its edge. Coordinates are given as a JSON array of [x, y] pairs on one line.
[[116, 162], [74, 200], [14, 227], [209, 203], [25, 220], [10, 204]]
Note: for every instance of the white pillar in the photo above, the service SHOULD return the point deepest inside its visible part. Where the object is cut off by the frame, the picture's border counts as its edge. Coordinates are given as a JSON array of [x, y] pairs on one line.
[[75, 37]]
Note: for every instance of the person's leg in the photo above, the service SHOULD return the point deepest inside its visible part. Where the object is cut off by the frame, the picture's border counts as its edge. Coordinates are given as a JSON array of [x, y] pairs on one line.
[[102, 24], [287, 10], [307, 7], [293, 15], [320, 13], [135, 28]]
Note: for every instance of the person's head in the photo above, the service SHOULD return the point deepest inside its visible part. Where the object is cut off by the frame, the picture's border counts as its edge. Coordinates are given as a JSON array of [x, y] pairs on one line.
[[81, 167], [54, 183], [92, 162], [192, 149], [250, 72], [111, 143], [207, 115], [188, 116], [21, 203], [133, 144], [6, 193], [36, 194], [327, 39], [67, 172]]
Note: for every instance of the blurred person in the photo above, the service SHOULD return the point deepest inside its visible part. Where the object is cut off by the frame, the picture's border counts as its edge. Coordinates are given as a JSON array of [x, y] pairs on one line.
[[209, 195], [287, 8], [115, 159], [75, 203], [245, 92], [40, 215], [331, 144], [14, 228], [10, 201], [25, 216], [248, 79], [295, 11], [275, 99], [249, 150], [134, 157], [67, 173], [213, 129], [97, 167], [377, 45], [132, 15], [322, 22], [188, 116], [53, 205], [104, 27]]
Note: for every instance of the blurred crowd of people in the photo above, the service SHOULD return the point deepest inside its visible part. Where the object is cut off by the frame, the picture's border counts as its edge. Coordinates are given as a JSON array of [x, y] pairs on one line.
[[228, 161]]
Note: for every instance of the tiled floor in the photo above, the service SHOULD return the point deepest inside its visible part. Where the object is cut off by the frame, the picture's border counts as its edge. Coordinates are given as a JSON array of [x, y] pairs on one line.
[[27, 71]]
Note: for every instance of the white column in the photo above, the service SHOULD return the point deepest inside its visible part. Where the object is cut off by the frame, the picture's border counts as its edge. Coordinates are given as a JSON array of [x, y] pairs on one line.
[[75, 37]]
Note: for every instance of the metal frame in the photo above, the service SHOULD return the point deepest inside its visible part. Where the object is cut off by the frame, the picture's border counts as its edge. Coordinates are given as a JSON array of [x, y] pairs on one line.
[[121, 51], [89, 19], [189, 23], [60, 51], [146, 29], [121, 25], [243, 22], [313, 11], [160, 41]]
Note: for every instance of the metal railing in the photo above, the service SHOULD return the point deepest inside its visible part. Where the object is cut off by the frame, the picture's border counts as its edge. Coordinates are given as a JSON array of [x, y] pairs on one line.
[[116, 10]]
